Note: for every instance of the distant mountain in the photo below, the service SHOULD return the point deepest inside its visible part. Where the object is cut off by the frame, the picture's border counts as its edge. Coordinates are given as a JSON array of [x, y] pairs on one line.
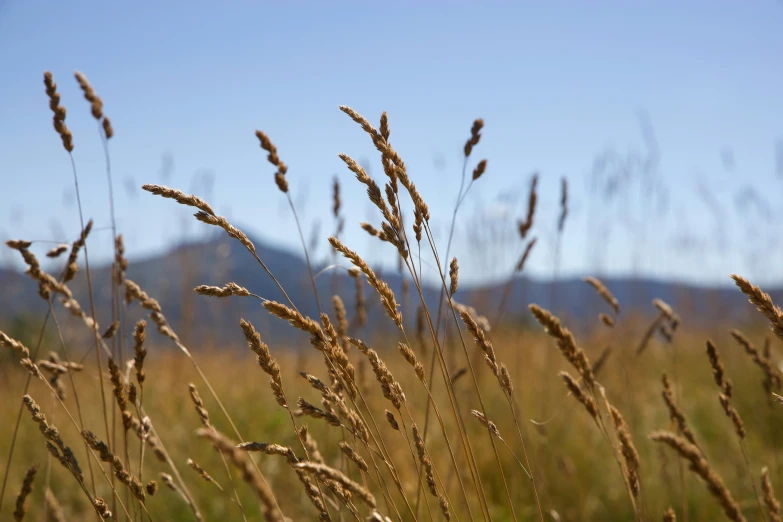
[[170, 278]]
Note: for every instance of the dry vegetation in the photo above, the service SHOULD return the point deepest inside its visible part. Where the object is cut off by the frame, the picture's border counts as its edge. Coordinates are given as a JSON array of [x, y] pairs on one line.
[[452, 419]]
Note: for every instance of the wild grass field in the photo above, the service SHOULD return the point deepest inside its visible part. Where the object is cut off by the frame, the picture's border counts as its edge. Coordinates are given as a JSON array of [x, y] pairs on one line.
[[639, 417]]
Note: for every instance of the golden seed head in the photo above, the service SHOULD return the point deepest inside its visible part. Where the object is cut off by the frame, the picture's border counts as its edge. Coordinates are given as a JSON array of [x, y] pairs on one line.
[[475, 136], [391, 420], [563, 205], [480, 169], [453, 276], [527, 224], [107, 128]]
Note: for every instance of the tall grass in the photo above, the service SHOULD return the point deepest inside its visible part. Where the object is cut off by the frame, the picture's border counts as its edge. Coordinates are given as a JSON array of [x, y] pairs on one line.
[[439, 422]]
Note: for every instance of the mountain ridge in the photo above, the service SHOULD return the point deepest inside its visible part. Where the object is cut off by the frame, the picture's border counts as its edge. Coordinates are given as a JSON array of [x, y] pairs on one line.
[[171, 276]]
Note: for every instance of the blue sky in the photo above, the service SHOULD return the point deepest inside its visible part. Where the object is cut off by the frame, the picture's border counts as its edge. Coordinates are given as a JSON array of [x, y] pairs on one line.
[[559, 84]]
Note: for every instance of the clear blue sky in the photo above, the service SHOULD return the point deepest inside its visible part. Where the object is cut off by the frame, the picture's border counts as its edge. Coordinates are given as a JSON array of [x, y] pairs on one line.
[[557, 83]]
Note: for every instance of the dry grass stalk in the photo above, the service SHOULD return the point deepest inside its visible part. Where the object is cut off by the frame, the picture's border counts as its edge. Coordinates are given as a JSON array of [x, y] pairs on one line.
[[606, 320], [481, 320], [139, 335], [482, 341], [102, 508], [387, 296], [24, 353], [111, 330], [54, 443], [124, 476], [428, 467], [393, 235], [666, 332], [317, 413], [249, 474], [391, 158], [311, 444], [15, 345], [480, 169], [627, 449], [207, 215], [391, 420], [772, 503], [203, 413], [675, 413], [310, 489], [377, 517], [667, 312], [294, 318], [325, 471], [700, 466], [373, 191], [225, 291], [179, 197], [336, 359], [54, 511], [55, 366], [725, 386], [332, 401], [59, 112], [367, 227], [475, 136], [604, 292], [527, 224], [265, 361], [648, 334], [342, 322], [96, 104], [389, 386], [458, 374], [57, 251], [453, 276], [272, 157], [486, 422], [352, 454], [121, 263], [565, 342], [48, 284], [718, 371], [134, 292], [587, 401], [143, 430], [525, 255], [336, 203], [410, 357], [72, 267], [563, 205], [360, 306], [27, 488], [107, 128], [772, 378], [203, 473], [763, 303], [269, 449], [231, 230], [168, 480], [121, 393], [90, 96], [732, 414]]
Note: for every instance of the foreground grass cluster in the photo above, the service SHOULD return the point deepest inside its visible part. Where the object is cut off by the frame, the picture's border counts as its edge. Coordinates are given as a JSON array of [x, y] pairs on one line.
[[455, 418]]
